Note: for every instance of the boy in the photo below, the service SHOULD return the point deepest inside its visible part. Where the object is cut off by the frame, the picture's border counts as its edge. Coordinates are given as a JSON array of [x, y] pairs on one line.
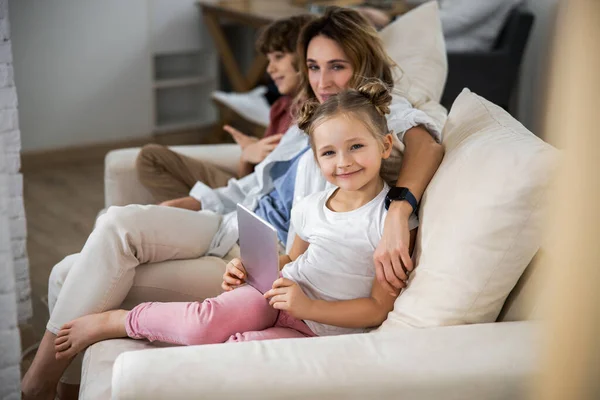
[[170, 176]]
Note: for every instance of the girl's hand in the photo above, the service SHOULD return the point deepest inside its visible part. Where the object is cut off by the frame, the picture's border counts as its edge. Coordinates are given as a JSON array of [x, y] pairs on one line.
[[392, 257], [234, 276], [288, 296]]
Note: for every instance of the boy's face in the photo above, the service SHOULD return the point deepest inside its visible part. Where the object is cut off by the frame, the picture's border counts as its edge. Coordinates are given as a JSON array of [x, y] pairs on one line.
[[282, 71]]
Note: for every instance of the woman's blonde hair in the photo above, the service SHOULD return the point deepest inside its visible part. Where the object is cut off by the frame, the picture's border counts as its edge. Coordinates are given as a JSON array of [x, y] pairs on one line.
[[369, 104], [359, 41]]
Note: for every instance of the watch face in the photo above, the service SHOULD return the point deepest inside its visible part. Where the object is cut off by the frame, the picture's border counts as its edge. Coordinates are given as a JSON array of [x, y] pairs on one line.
[[397, 193], [400, 194]]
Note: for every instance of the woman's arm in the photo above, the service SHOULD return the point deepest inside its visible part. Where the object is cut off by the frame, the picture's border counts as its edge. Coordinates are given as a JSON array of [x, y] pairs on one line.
[[422, 157]]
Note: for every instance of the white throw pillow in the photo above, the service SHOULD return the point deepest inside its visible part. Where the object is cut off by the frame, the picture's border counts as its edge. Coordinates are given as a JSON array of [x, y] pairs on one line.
[[416, 43], [480, 219]]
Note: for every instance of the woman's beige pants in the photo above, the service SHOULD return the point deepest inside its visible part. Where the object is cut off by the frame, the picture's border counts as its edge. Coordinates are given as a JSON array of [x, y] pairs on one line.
[[136, 254]]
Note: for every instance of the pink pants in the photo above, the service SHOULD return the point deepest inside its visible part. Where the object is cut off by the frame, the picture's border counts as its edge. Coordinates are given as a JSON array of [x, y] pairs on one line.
[[240, 315]]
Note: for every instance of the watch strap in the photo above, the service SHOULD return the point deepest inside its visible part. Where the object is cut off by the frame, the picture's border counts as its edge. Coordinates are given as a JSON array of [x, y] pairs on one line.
[[404, 194]]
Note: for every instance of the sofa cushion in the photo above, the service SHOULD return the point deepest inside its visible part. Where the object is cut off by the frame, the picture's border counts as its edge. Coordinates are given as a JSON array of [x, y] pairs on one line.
[[415, 42], [480, 218], [121, 183]]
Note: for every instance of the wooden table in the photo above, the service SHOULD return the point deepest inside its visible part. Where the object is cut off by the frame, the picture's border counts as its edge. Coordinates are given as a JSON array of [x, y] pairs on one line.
[[255, 13]]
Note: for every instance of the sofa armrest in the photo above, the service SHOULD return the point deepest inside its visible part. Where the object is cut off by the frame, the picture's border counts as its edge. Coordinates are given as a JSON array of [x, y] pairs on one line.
[[121, 184], [487, 361]]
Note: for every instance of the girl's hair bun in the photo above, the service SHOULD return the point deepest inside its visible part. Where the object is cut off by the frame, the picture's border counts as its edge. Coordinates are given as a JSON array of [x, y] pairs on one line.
[[378, 93], [306, 114]]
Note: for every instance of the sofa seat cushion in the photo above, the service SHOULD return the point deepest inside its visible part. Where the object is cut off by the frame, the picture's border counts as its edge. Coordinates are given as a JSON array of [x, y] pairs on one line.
[[436, 363], [481, 218]]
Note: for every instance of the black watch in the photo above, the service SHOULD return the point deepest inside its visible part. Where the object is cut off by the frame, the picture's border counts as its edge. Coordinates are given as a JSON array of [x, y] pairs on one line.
[[399, 194]]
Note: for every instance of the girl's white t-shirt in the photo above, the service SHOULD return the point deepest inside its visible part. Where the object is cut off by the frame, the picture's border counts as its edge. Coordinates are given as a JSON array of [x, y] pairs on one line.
[[338, 264]]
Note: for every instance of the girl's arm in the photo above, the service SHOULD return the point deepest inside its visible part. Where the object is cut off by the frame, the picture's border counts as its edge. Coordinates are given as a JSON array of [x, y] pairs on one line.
[[358, 313], [298, 248], [366, 312], [422, 157]]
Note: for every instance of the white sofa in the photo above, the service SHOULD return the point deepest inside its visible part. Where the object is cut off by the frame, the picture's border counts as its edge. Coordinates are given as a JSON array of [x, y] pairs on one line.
[[494, 360]]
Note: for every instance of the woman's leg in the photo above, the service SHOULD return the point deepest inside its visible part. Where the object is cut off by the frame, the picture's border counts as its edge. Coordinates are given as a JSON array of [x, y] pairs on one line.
[[101, 277], [169, 175], [167, 281], [208, 322]]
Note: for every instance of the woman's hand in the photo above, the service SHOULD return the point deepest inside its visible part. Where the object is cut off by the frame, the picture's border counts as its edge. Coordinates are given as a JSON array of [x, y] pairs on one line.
[[256, 152], [392, 255], [234, 276], [286, 295]]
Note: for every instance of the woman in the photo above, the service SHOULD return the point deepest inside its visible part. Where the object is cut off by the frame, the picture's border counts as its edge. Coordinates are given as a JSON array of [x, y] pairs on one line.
[[337, 51]]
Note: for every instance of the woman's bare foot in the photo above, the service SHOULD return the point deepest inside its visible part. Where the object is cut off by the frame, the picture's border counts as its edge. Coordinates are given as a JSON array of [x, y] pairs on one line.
[[43, 375], [65, 391], [78, 334]]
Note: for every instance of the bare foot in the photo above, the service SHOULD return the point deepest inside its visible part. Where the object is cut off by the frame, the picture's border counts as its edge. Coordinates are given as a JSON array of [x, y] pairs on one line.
[[67, 392], [38, 393], [45, 371], [78, 334]]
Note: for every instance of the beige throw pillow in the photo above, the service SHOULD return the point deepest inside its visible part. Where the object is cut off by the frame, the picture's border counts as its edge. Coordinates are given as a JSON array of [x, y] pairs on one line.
[[416, 44], [480, 218]]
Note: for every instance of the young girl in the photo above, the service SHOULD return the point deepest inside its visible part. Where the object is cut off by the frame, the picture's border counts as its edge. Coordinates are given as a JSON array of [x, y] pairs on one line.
[[328, 284]]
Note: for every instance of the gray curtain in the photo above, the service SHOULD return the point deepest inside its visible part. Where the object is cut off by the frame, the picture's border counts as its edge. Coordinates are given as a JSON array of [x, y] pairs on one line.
[[15, 303]]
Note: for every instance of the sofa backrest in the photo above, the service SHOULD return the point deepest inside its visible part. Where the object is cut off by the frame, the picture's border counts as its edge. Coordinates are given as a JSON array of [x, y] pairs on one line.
[[525, 300]]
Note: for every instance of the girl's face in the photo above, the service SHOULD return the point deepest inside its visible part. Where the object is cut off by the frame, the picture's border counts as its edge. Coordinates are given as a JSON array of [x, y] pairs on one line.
[[282, 71], [329, 70], [347, 152]]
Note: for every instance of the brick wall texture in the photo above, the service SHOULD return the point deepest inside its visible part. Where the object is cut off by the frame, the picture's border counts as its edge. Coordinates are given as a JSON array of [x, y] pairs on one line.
[[15, 303]]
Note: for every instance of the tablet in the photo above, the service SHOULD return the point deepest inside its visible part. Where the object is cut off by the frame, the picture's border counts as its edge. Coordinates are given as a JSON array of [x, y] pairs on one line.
[[259, 249]]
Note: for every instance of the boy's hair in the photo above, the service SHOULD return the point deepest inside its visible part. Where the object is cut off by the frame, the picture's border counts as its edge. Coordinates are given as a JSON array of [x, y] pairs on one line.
[[369, 104], [282, 35]]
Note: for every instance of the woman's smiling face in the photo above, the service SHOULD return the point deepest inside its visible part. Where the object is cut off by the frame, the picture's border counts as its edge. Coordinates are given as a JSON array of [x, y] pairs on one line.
[[329, 70]]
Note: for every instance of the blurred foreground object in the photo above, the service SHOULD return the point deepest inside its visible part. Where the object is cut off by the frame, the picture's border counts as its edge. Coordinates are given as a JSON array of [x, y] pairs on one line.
[[571, 363]]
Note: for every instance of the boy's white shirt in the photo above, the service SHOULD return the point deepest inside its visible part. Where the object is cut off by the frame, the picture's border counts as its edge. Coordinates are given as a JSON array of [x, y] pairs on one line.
[[248, 190]]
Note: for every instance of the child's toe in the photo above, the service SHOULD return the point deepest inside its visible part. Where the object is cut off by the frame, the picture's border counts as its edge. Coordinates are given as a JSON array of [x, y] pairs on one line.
[[63, 332], [60, 340], [62, 347]]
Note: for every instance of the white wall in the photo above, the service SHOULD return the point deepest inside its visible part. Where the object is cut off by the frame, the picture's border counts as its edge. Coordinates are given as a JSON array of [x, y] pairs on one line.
[[83, 71], [176, 26], [534, 70]]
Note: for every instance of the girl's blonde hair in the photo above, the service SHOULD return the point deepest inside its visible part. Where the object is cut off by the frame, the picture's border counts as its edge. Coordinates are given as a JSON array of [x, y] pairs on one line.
[[369, 104], [359, 41]]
